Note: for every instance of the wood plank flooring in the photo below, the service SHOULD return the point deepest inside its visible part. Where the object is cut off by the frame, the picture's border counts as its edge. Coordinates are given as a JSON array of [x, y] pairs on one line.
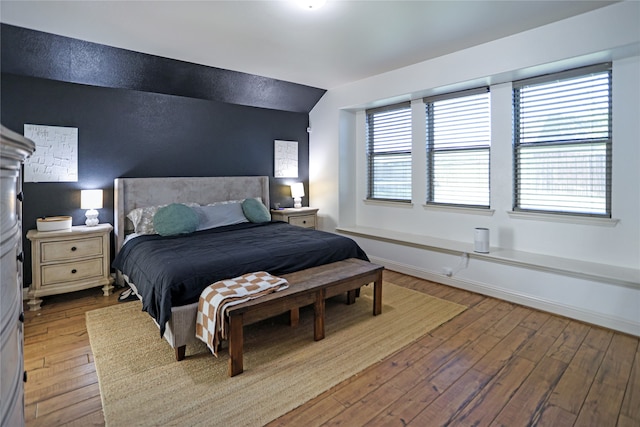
[[496, 364]]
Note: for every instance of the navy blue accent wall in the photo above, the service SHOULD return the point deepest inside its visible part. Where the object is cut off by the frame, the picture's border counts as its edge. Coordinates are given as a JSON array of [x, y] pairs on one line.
[[124, 132], [37, 54]]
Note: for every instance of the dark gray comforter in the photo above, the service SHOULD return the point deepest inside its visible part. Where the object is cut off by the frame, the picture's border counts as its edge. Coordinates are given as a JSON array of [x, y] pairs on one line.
[[173, 271]]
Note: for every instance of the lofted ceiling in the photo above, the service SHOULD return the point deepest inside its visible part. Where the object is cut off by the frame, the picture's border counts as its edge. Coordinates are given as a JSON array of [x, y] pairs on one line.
[[341, 42]]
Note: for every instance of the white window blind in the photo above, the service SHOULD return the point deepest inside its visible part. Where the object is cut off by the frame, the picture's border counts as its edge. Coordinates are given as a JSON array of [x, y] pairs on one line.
[[562, 142], [458, 143], [389, 153]]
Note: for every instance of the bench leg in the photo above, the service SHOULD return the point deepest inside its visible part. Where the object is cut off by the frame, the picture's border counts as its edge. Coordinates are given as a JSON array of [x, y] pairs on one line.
[[318, 310], [294, 317], [236, 343], [377, 294], [351, 297]]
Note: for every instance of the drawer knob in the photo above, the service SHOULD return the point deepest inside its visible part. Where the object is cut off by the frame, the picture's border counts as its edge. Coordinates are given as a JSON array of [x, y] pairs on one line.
[[73, 249], [21, 317], [304, 221], [24, 376], [74, 271], [20, 257]]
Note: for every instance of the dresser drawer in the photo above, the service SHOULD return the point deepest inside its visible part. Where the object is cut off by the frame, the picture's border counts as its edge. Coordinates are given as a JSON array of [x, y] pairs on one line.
[[10, 288], [11, 370], [71, 271], [71, 249], [307, 221], [10, 295]]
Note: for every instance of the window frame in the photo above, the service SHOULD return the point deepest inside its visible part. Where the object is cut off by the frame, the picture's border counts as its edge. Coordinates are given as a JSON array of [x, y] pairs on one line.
[[431, 150], [582, 142], [372, 155]]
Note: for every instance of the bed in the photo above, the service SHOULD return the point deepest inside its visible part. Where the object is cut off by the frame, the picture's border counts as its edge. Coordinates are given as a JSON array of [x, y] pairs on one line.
[[168, 273]]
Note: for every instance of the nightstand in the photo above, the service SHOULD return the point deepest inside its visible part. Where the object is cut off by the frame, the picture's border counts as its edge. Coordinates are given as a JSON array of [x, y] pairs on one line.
[[302, 217], [69, 260]]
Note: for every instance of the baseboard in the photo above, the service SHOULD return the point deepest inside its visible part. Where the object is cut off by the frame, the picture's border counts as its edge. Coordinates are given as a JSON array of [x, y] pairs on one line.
[[587, 316]]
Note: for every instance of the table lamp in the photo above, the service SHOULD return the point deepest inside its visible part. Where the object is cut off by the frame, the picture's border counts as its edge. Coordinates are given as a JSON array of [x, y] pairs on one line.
[[91, 200], [297, 192]]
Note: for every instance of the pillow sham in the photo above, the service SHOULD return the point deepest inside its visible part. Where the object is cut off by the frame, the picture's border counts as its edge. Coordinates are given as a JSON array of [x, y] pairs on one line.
[[255, 211], [212, 216], [175, 219], [142, 218], [225, 202]]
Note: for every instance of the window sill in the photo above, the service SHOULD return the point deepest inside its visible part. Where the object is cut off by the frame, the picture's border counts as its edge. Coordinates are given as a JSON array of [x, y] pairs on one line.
[[624, 276], [571, 219], [388, 203], [460, 210]]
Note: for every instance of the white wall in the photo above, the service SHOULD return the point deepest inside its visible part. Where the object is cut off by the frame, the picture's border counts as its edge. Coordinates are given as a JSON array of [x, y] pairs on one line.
[[338, 185]]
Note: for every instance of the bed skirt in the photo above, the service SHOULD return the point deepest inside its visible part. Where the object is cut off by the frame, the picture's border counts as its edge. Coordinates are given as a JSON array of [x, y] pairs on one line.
[[181, 328]]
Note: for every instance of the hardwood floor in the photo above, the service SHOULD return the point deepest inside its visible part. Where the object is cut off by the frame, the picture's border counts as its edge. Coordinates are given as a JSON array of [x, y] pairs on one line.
[[497, 364]]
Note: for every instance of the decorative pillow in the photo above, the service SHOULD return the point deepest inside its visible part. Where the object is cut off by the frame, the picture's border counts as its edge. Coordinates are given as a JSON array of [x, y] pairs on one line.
[[175, 219], [212, 216], [142, 218], [255, 211]]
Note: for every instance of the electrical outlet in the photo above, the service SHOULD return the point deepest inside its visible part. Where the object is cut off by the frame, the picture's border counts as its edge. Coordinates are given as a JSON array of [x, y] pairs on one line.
[[447, 271]]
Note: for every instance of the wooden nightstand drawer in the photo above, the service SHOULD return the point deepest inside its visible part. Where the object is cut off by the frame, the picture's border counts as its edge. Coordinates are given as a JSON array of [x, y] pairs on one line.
[[72, 249], [307, 221], [300, 217], [71, 271]]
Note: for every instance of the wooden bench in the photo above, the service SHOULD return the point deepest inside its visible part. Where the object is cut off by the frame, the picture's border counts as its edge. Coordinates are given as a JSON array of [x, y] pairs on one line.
[[310, 286]]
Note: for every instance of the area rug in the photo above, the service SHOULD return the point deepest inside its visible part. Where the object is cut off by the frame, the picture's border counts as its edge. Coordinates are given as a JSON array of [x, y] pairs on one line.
[[142, 384]]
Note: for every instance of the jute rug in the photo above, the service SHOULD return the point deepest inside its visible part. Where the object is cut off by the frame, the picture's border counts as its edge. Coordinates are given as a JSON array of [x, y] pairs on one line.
[[142, 384]]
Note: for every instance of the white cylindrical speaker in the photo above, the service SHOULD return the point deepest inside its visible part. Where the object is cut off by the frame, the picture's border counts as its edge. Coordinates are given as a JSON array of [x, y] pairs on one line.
[[481, 240]]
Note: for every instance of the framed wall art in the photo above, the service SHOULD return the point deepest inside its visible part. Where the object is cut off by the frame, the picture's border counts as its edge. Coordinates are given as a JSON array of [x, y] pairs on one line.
[[286, 159], [56, 155]]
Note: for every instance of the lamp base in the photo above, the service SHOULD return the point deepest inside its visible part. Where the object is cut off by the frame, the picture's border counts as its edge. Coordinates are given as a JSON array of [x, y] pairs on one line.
[[92, 218], [297, 202]]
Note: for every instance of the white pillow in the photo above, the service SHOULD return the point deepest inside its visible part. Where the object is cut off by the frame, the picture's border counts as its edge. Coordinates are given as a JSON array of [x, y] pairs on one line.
[[218, 215], [142, 218]]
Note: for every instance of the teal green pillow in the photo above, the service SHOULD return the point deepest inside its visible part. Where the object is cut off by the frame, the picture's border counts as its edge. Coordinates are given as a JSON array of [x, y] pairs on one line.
[[175, 219], [255, 211]]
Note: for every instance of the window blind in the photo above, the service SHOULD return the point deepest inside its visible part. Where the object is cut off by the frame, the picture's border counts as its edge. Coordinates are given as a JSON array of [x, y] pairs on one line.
[[389, 153], [562, 142], [458, 143]]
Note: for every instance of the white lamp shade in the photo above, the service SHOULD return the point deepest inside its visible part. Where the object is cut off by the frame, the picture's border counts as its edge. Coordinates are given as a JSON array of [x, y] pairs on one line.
[[297, 190], [90, 199]]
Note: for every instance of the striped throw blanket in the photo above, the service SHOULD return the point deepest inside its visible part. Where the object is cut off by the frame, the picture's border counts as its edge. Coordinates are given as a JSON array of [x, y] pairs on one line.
[[210, 324]]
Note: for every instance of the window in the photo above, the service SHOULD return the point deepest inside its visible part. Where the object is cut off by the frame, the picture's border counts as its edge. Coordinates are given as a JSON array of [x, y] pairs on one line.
[[389, 153], [458, 143], [562, 142]]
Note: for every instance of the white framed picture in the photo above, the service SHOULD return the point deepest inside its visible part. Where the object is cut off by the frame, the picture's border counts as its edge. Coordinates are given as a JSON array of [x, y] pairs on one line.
[[286, 159]]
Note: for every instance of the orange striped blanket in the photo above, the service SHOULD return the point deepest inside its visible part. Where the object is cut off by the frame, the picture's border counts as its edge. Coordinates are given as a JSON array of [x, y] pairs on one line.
[[210, 324]]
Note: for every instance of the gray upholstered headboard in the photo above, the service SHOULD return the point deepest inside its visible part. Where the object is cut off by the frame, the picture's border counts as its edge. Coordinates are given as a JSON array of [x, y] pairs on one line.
[[132, 193]]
